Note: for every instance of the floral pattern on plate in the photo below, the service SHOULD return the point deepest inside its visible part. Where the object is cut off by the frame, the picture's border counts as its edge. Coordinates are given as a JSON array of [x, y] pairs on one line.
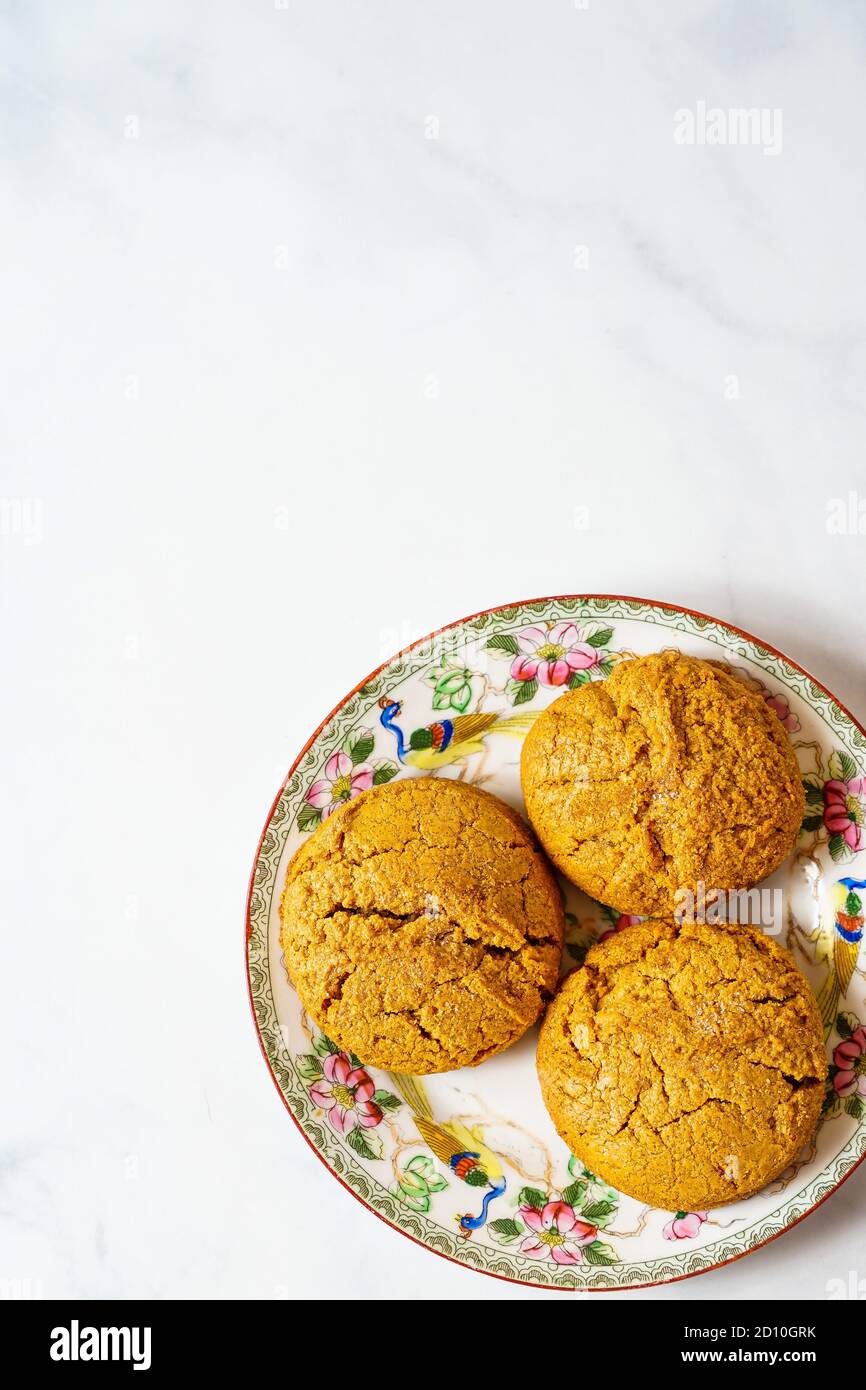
[[468, 1163]]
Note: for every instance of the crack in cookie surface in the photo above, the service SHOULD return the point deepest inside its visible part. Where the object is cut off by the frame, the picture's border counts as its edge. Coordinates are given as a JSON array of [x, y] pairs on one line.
[[670, 772], [684, 1063], [421, 926]]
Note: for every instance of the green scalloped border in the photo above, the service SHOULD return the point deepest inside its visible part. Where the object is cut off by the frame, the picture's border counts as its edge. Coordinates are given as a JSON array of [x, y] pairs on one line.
[[346, 1166]]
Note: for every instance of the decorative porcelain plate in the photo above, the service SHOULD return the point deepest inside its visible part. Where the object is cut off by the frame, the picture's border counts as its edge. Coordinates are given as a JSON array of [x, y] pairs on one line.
[[512, 1211]]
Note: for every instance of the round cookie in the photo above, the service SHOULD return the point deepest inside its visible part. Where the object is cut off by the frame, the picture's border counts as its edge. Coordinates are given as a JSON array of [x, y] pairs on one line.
[[684, 1064], [670, 773], [422, 926]]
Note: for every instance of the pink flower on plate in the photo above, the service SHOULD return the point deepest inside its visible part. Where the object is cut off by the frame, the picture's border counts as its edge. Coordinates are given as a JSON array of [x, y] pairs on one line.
[[779, 704], [343, 779], [556, 1233], [844, 810], [850, 1057], [685, 1225], [625, 919], [345, 1093], [553, 656]]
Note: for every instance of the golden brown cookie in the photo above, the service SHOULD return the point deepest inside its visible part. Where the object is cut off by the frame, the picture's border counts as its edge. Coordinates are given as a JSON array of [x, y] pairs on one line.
[[421, 926], [684, 1064], [670, 773]]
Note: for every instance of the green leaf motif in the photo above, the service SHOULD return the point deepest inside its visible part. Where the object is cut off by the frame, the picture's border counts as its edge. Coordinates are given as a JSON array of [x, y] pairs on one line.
[[531, 1197], [814, 789], [413, 1184], [503, 642], [831, 1107], [386, 1100], [605, 667], [451, 680], [384, 772], [855, 1108], [324, 1045], [811, 823], [415, 1201], [522, 691], [599, 1212], [841, 766], [360, 750], [846, 1024], [578, 678], [600, 1254], [309, 1067], [573, 1194], [365, 1143], [453, 691], [840, 851], [308, 817], [421, 1163], [460, 701], [505, 1230], [423, 1173], [600, 639]]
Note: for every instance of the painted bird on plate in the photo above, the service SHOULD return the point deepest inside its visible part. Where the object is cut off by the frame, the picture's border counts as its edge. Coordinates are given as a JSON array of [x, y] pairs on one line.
[[437, 745], [842, 929], [459, 1148]]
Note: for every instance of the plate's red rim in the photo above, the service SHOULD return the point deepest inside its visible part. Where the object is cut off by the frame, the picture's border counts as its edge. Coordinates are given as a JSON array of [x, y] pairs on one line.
[[483, 612]]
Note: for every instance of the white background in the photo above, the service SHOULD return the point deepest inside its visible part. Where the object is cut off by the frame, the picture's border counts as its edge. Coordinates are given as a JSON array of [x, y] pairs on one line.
[[291, 383]]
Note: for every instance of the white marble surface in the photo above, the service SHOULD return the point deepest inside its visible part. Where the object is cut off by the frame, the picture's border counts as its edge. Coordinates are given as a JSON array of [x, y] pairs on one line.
[[291, 383]]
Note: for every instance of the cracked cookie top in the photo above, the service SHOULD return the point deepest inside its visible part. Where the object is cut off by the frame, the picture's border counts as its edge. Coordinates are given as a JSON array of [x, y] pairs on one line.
[[421, 926], [670, 773], [684, 1064]]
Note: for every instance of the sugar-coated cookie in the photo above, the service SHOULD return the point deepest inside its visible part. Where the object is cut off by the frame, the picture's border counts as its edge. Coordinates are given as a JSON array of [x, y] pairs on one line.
[[421, 926], [684, 1064], [671, 773]]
